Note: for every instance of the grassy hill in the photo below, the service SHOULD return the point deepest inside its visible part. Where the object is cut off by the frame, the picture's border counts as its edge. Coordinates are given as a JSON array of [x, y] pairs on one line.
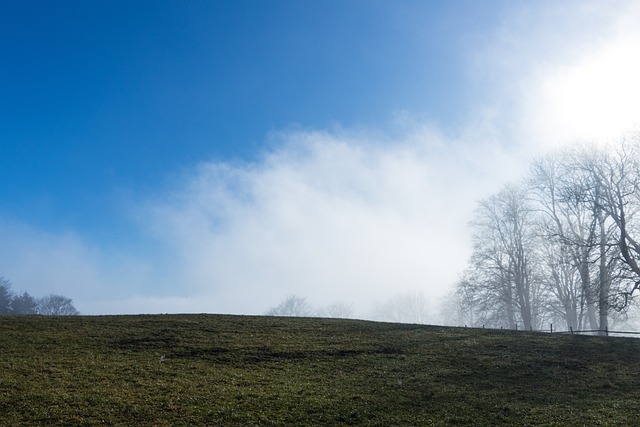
[[238, 370]]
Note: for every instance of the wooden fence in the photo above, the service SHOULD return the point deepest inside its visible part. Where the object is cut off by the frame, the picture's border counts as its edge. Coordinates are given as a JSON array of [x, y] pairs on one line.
[[601, 332]]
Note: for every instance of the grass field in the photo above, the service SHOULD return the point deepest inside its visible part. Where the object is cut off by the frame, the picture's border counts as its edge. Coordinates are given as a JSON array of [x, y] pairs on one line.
[[243, 371]]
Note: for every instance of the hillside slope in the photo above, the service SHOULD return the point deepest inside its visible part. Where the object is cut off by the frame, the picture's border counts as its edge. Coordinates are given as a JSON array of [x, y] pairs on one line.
[[240, 370]]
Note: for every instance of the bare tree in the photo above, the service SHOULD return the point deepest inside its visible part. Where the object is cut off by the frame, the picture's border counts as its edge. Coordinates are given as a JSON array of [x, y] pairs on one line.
[[291, 306], [568, 225], [590, 197], [566, 246], [456, 309], [615, 190], [408, 307], [56, 305], [505, 256], [473, 302], [562, 281], [338, 309]]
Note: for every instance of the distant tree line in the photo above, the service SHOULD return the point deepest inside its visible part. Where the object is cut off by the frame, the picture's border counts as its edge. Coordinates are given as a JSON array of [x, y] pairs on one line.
[[50, 305], [296, 306], [409, 307], [563, 245], [406, 307]]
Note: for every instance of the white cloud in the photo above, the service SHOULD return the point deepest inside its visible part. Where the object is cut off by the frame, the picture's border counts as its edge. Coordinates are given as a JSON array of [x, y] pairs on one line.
[[329, 216]]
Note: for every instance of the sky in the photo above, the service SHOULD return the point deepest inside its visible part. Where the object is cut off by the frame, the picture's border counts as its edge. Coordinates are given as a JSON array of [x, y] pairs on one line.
[[218, 156]]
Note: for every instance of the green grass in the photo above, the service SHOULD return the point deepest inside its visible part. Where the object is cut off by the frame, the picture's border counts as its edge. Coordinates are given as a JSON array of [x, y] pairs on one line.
[[250, 371]]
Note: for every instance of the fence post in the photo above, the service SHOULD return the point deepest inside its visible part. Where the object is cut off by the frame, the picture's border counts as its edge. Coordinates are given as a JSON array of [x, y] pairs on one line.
[[606, 330], [571, 329], [551, 327]]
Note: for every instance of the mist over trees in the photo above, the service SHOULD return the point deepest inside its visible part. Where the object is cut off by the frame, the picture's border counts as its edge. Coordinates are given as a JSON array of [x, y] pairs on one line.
[[51, 305], [24, 304], [408, 307], [292, 305], [5, 296], [338, 309], [56, 305], [297, 306], [561, 246]]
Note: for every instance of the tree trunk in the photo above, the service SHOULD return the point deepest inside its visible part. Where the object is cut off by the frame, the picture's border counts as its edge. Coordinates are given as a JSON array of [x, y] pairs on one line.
[[571, 315], [586, 289], [605, 283], [511, 318], [524, 300]]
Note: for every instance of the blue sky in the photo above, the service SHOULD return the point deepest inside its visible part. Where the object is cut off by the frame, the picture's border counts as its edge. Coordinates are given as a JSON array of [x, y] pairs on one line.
[[180, 156], [107, 96]]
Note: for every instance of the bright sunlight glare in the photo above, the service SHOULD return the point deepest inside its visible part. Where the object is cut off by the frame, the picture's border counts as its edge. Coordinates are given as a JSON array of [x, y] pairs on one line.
[[597, 97]]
